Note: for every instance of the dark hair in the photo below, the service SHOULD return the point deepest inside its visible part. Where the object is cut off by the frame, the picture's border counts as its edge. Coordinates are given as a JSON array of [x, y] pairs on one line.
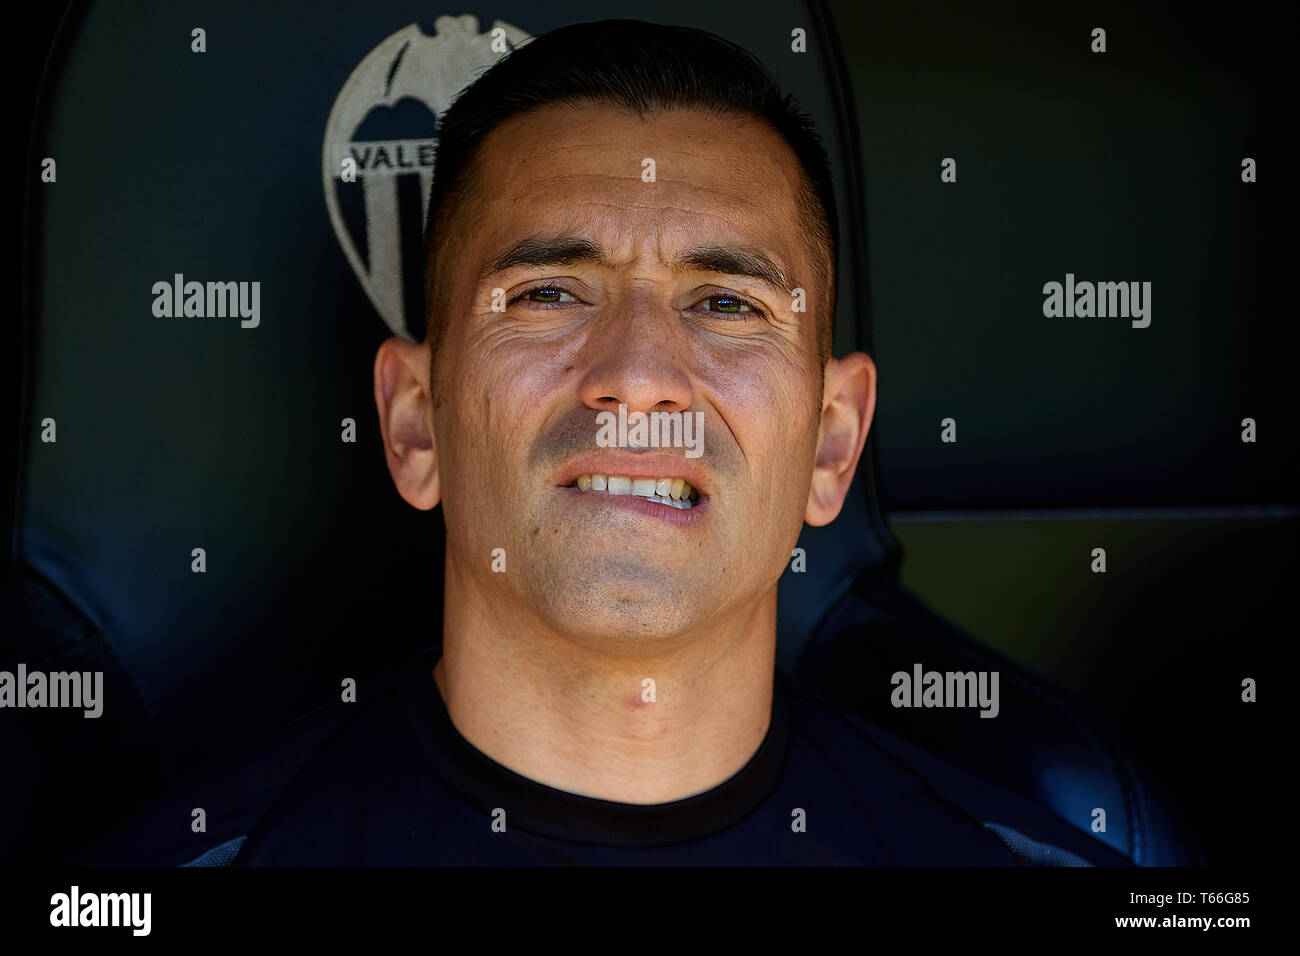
[[643, 67]]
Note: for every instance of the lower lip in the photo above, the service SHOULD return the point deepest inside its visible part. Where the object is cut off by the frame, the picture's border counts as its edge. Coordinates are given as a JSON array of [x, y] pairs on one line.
[[637, 505]]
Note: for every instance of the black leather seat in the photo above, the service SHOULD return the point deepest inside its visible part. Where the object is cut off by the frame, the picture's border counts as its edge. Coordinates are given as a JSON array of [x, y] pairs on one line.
[[180, 433]]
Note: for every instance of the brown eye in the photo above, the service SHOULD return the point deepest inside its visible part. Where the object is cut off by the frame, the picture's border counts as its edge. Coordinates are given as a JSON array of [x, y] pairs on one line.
[[730, 305], [546, 295]]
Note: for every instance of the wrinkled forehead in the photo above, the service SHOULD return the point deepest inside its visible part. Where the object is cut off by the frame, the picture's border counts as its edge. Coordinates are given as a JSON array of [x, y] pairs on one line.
[[679, 176]]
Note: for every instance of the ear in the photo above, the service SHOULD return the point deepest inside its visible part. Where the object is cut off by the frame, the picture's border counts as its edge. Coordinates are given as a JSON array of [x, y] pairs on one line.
[[406, 420], [848, 404]]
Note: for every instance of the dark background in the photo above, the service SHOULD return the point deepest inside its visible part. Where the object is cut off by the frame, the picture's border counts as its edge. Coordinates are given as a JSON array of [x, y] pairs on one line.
[[1077, 433], [1073, 433]]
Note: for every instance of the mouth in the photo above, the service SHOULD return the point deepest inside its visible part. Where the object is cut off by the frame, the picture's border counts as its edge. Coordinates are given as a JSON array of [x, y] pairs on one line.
[[668, 492]]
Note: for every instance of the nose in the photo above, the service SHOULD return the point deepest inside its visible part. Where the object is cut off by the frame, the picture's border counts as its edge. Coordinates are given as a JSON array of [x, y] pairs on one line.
[[636, 357]]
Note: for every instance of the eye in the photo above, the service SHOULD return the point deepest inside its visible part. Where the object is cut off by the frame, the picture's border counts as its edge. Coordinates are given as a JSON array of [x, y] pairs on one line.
[[545, 295], [728, 304]]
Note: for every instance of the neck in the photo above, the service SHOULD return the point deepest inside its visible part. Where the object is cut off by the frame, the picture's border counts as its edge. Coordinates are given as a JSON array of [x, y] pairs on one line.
[[575, 711]]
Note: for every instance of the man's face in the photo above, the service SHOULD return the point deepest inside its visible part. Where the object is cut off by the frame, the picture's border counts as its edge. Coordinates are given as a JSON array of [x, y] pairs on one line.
[[637, 320]]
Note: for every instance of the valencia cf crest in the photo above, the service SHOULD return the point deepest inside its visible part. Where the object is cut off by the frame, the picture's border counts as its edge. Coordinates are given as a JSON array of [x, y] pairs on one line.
[[381, 141]]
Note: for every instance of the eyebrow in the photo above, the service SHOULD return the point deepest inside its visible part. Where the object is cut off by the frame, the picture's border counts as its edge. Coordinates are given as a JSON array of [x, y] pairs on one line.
[[568, 250], [547, 251]]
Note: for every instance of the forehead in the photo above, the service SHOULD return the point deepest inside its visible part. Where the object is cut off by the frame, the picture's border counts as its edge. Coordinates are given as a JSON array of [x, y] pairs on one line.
[[582, 168]]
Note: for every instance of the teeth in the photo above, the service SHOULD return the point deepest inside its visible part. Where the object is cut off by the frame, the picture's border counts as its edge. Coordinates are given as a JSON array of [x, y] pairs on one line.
[[674, 492]]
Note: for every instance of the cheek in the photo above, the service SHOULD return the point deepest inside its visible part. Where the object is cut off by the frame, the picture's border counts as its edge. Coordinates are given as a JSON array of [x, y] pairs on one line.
[[767, 395], [771, 403], [500, 388]]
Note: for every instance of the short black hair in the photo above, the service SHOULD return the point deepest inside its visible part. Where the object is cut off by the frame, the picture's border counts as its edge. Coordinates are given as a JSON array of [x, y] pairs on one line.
[[642, 67]]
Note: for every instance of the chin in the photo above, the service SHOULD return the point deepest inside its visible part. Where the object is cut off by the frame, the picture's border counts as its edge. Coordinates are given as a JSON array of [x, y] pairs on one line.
[[604, 614]]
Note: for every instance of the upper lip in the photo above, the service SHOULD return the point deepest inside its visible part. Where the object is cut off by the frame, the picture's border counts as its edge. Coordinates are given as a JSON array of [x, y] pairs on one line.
[[632, 465]]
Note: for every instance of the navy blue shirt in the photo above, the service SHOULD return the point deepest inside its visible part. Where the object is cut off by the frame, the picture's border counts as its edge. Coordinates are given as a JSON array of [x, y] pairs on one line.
[[397, 784]]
